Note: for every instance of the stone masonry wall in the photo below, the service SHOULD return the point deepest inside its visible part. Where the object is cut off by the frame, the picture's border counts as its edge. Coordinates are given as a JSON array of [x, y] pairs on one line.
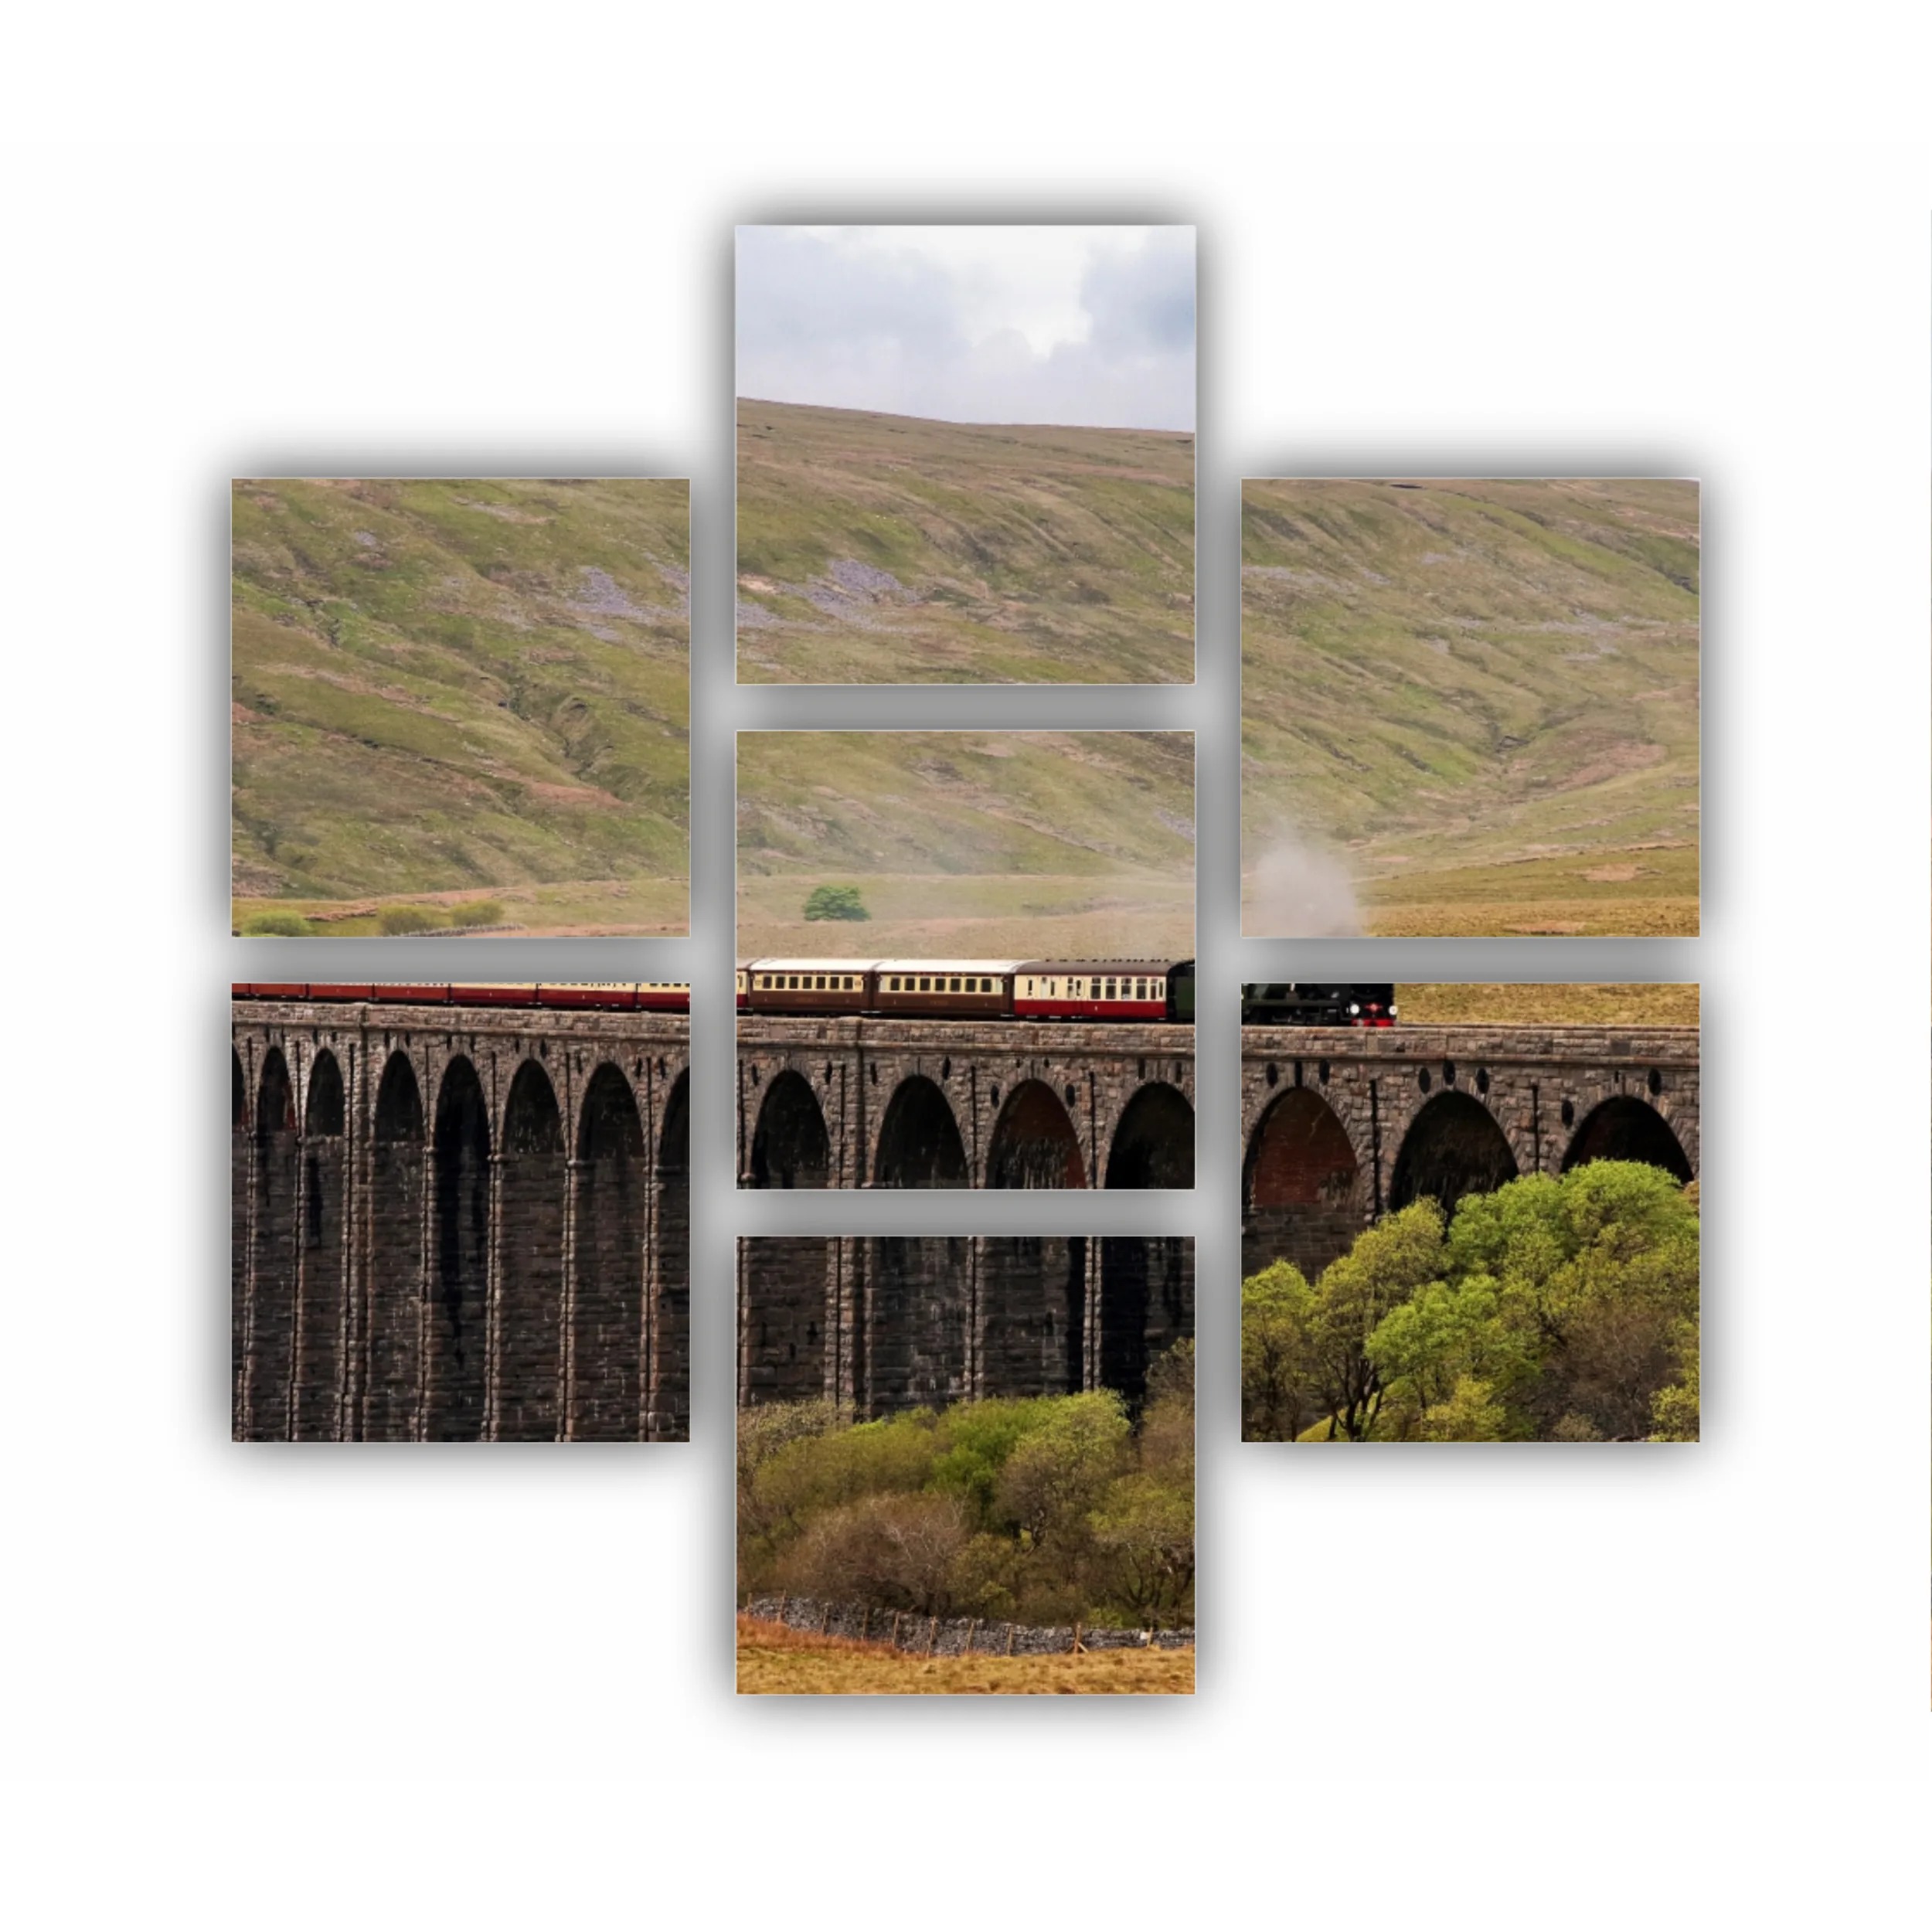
[[885, 1323], [1081, 1082], [416, 1259]]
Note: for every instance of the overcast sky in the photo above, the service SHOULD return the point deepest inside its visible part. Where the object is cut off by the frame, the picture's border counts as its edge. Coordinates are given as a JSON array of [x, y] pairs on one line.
[[1010, 325]]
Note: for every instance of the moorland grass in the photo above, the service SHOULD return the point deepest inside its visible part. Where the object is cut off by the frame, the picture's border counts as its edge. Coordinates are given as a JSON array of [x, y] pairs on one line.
[[446, 687], [1442, 678], [1010, 553]]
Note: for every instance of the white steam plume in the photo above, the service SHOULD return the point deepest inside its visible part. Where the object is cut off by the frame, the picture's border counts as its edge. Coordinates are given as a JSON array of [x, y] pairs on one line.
[[1298, 892]]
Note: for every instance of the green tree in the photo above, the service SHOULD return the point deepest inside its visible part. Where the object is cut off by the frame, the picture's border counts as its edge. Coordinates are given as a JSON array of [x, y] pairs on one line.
[[1277, 1397], [1386, 1266], [835, 902]]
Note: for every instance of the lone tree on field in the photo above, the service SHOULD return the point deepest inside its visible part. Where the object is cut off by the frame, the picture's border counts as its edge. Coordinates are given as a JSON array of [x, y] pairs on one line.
[[835, 902]]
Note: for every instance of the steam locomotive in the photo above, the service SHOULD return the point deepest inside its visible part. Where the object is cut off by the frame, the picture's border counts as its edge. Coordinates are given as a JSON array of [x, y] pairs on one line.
[[1291, 1006]]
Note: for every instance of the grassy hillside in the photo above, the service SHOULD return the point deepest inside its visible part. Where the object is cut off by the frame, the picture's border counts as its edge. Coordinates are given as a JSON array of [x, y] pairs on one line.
[[1482, 697], [975, 843], [462, 689], [891, 549]]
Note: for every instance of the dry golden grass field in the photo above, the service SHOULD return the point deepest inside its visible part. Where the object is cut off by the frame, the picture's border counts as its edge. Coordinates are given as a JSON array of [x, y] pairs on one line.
[[1547, 1003], [773, 1660]]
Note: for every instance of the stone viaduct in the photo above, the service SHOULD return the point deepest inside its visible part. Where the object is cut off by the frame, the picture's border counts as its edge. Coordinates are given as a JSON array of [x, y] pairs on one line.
[[456, 1224], [892, 1102], [885, 1323], [1340, 1125]]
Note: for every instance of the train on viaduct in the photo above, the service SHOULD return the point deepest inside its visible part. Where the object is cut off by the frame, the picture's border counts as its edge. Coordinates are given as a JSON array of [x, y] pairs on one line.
[[459, 1223], [1340, 1125]]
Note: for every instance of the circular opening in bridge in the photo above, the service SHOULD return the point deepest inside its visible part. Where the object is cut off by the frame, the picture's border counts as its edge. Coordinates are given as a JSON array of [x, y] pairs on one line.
[[1448, 1072], [1624, 1128], [1569, 1111], [1271, 1073], [790, 1147], [919, 1143], [1034, 1144], [1300, 1156], [1482, 1079], [1655, 1083], [1454, 1147], [1154, 1144], [1421, 1078]]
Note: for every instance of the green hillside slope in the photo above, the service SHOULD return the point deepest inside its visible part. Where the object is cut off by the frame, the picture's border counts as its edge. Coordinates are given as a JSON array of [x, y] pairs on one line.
[[971, 842], [1483, 696], [443, 689], [891, 549]]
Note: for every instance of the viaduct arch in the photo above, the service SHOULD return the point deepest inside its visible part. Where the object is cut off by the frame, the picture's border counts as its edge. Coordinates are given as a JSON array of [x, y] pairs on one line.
[[892, 1102], [1340, 1125], [459, 1225]]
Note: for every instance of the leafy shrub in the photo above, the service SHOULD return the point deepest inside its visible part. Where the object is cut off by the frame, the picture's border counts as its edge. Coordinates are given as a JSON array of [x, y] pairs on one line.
[[477, 912], [276, 926], [835, 902], [396, 920]]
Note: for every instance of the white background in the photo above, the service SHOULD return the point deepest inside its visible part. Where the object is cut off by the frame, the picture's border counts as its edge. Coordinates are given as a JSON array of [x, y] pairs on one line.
[[1576, 1689]]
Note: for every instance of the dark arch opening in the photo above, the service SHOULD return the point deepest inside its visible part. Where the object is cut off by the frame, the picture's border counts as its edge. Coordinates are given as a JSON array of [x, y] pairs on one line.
[[607, 1310], [1624, 1128], [1454, 1147], [1034, 1144], [454, 1373], [1301, 1186], [396, 1293], [667, 1393], [790, 1147], [530, 1348], [919, 1143], [321, 1304], [237, 1243], [268, 1376], [1154, 1144], [1146, 1305], [1033, 1292]]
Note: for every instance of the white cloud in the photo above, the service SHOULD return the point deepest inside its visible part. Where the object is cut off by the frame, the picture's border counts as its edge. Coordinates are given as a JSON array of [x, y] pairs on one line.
[[986, 324]]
